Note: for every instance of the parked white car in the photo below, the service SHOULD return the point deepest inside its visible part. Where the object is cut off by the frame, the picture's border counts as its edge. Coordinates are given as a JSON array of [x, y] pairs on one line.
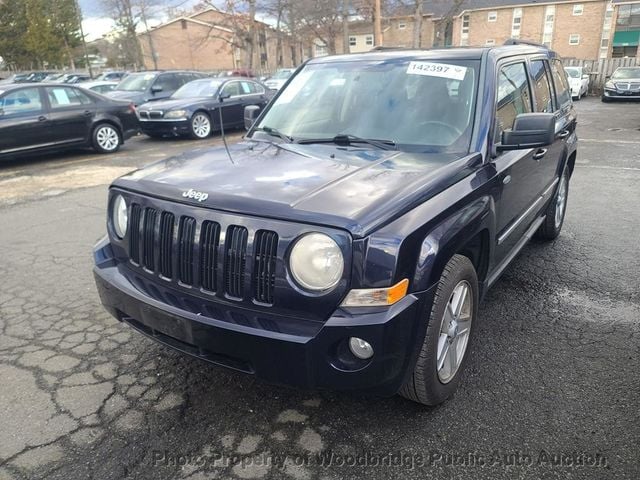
[[99, 86], [578, 80], [279, 78]]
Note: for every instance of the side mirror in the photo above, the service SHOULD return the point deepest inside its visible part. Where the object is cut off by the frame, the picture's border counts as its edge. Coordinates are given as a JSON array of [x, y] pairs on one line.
[[223, 96], [251, 112], [585, 76], [156, 89], [530, 130]]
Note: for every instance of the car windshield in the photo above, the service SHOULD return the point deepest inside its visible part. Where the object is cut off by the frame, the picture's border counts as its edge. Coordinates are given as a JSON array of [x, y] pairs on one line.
[[199, 88], [573, 73], [139, 82], [282, 74], [420, 106], [625, 73]]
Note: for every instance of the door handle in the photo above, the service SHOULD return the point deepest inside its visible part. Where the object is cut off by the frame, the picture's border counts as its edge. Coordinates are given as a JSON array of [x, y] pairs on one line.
[[87, 113], [564, 134], [539, 154], [42, 118]]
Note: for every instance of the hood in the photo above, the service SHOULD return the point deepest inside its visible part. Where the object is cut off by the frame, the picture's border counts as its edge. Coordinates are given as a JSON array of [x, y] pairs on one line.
[[170, 104], [351, 188]]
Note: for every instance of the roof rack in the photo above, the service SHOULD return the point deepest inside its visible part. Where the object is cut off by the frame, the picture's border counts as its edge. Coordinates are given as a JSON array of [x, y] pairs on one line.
[[517, 41], [382, 48]]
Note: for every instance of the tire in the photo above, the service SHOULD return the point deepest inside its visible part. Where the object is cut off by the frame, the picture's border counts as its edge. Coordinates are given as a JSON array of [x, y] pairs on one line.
[[554, 219], [106, 138], [199, 126], [427, 384], [605, 100]]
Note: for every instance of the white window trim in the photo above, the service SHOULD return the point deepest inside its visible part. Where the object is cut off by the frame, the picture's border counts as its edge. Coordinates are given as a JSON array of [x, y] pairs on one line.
[[492, 16], [576, 36], [578, 9], [402, 26], [353, 41], [368, 40]]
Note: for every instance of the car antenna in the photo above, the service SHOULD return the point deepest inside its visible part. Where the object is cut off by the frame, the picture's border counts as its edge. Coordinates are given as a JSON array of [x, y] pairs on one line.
[[221, 98]]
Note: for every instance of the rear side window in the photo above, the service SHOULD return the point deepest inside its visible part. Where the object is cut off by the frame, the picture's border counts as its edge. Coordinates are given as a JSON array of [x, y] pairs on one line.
[[169, 82], [541, 86], [563, 92], [22, 102], [64, 97], [514, 96]]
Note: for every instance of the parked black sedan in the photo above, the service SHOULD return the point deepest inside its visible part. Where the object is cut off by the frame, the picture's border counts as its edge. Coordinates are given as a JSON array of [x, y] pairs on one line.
[[41, 117], [193, 109]]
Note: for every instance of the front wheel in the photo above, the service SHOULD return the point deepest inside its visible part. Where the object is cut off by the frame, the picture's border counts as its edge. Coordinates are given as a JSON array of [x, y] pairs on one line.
[[200, 126], [436, 374], [106, 138], [554, 219]]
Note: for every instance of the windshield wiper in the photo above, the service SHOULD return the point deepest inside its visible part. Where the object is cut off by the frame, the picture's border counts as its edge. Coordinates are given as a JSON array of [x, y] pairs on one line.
[[274, 132], [345, 139]]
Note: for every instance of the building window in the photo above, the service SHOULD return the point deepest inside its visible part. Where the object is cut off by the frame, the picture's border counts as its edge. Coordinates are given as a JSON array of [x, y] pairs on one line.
[[516, 23], [604, 43], [578, 8], [490, 42], [353, 41], [402, 26], [321, 50], [492, 16], [549, 18], [574, 39], [368, 40], [464, 34], [184, 24]]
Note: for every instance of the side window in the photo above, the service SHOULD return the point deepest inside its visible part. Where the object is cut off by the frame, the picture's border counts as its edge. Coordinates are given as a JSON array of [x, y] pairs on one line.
[[185, 78], [232, 89], [168, 82], [246, 88], [541, 86], [65, 97], [258, 89], [563, 92], [513, 95], [22, 102]]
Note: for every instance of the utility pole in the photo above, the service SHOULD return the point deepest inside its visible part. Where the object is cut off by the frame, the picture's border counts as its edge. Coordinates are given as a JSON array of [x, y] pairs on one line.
[[84, 41], [377, 23]]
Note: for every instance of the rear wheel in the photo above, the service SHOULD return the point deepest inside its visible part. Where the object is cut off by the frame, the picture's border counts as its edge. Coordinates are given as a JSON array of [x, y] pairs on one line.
[[106, 138], [554, 219], [200, 126], [443, 354]]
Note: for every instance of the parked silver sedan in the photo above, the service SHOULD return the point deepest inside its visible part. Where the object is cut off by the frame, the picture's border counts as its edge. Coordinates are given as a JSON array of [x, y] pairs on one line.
[[624, 84]]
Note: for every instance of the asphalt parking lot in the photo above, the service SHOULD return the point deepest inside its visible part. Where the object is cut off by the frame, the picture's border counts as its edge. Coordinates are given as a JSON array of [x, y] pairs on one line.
[[553, 388]]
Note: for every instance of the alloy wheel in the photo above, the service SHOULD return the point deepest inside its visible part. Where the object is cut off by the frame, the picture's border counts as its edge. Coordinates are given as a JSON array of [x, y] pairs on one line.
[[454, 331], [561, 201], [201, 125], [107, 137]]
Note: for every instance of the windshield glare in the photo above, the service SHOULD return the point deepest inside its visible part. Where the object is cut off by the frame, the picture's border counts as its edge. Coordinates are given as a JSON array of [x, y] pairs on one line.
[[282, 74], [623, 73], [422, 106], [137, 82], [199, 88]]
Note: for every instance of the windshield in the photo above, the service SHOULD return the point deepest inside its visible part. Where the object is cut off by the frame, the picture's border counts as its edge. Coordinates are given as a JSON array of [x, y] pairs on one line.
[[573, 73], [421, 106], [625, 73], [139, 82], [282, 74], [199, 88]]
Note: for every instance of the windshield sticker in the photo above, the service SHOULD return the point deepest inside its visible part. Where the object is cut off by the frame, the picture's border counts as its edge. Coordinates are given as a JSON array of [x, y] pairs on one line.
[[337, 82], [430, 69]]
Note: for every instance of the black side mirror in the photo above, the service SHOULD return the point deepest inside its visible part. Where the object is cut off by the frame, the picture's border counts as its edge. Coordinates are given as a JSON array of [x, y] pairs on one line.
[[223, 96], [251, 112], [156, 89], [530, 130]]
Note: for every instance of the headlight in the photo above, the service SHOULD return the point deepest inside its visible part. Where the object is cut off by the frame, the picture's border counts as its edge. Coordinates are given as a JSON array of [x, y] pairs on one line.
[[316, 262], [609, 85], [119, 216], [176, 114]]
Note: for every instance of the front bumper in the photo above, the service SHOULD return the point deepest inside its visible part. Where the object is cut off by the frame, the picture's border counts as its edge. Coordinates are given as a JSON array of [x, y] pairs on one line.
[[621, 95], [165, 127], [312, 357]]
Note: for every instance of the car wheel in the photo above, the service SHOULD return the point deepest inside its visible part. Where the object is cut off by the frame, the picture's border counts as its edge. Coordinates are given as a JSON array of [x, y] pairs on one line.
[[443, 354], [200, 125], [605, 100], [554, 219], [106, 138]]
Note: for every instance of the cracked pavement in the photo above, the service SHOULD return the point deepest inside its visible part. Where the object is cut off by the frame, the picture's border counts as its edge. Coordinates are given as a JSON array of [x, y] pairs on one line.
[[554, 365]]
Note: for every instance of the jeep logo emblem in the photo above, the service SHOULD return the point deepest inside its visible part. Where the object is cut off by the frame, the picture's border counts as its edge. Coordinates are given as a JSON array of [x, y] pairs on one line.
[[199, 196]]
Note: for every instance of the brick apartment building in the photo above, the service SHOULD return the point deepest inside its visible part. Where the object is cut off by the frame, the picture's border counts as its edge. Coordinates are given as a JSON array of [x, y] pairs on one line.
[[211, 40], [581, 29]]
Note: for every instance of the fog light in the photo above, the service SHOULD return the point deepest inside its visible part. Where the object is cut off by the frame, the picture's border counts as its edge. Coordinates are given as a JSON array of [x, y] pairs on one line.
[[360, 348]]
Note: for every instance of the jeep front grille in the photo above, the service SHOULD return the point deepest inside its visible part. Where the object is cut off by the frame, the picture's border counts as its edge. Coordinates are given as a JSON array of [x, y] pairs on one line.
[[195, 256]]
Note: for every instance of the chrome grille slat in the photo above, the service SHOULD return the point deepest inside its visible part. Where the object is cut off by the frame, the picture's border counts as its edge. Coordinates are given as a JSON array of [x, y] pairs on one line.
[[209, 241], [186, 234], [235, 260], [266, 250], [165, 260]]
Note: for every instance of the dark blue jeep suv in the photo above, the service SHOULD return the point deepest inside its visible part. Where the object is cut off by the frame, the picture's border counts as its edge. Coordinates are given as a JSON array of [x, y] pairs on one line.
[[347, 241]]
